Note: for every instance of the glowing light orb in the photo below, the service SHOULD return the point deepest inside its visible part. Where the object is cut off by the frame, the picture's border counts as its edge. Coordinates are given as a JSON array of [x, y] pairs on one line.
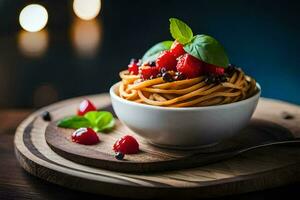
[[33, 18], [87, 9]]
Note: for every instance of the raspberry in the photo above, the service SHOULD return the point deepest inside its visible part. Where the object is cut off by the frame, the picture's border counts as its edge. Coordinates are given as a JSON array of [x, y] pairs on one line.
[[85, 106], [148, 72], [126, 145], [177, 49], [166, 60], [189, 66], [133, 66]]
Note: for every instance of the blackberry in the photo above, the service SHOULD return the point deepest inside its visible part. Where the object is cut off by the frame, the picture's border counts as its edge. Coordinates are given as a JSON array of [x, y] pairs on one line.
[[119, 156], [230, 70], [152, 63], [179, 76], [46, 116], [167, 77]]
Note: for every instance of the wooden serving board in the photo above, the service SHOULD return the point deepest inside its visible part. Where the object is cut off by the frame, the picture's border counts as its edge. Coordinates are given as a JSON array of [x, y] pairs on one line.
[[254, 170], [152, 158]]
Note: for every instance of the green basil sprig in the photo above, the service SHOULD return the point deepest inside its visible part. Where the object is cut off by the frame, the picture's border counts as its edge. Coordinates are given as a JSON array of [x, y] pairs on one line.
[[207, 49], [152, 54], [98, 121], [180, 31], [203, 47]]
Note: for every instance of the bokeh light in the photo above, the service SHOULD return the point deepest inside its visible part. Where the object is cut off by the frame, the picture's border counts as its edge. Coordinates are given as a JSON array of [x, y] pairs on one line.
[[86, 36], [33, 18], [87, 9], [33, 44]]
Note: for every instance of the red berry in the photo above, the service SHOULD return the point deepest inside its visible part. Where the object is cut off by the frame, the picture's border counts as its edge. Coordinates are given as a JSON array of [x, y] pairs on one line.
[[189, 66], [85, 106], [85, 136], [148, 72], [166, 60], [133, 67], [126, 145], [213, 69], [177, 49]]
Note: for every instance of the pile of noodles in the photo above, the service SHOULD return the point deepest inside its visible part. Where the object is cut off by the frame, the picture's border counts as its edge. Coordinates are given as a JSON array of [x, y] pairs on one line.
[[186, 93]]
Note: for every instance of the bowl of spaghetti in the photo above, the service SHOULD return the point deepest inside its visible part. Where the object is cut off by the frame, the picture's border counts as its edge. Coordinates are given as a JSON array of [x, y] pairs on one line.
[[184, 93]]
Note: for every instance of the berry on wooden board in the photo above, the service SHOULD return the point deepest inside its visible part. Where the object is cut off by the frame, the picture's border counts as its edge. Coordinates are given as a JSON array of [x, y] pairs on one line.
[[85, 106], [126, 145]]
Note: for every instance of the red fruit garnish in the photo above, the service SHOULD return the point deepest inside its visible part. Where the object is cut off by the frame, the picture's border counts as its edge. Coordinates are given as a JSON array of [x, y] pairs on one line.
[[85, 106], [190, 66], [166, 60], [85, 136], [148, 72], [126, 145], [177, 49], [133, 67], [213, 69]]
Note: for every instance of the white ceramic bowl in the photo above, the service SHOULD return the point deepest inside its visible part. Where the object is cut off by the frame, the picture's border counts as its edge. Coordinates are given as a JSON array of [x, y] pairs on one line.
[[190, 127]]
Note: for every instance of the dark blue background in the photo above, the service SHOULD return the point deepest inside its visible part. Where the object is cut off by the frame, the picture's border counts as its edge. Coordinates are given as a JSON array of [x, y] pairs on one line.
[[260, 36]]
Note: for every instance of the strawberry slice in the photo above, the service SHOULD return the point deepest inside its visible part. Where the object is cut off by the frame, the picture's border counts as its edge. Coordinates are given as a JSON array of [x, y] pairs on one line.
[[213, 69], [190, 66], [177, 49], [133, 67], [148, 72], [166, 60]]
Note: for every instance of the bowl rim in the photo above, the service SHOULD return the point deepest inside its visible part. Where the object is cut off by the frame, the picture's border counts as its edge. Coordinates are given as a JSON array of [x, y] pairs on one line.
[[244, 101]]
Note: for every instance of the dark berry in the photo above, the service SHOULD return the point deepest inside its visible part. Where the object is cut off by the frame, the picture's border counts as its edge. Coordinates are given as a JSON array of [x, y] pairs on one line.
[[179, 76], [167, 77], [213, 79], [152, 63], [230, 70], [207, 80], [119, 156], [223, 78], [46, 116]]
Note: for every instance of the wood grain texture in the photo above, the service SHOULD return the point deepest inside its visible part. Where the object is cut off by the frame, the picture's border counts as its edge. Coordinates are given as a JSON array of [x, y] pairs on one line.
[[255, 170], [152, 158]]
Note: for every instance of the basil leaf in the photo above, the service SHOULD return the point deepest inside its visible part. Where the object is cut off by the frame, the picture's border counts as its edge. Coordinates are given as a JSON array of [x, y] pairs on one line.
[[207, 49], [105, 121], [74, 122], [92, 117], [100, 121], [180, 31], [154, 51]]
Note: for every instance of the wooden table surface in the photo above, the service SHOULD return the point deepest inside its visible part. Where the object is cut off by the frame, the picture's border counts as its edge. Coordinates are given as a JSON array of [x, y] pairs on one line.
[[15, 183]]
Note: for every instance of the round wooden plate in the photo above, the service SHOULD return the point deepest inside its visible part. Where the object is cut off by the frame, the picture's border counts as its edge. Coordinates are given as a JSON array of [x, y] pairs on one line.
[[255, 170]]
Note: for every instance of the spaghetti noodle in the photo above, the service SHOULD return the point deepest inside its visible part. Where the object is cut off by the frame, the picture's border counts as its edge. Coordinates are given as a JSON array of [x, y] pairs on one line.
[[186, 93]]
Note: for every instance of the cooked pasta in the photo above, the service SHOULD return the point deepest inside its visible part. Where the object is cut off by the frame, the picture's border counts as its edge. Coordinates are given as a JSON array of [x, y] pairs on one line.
[[186, 93]]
